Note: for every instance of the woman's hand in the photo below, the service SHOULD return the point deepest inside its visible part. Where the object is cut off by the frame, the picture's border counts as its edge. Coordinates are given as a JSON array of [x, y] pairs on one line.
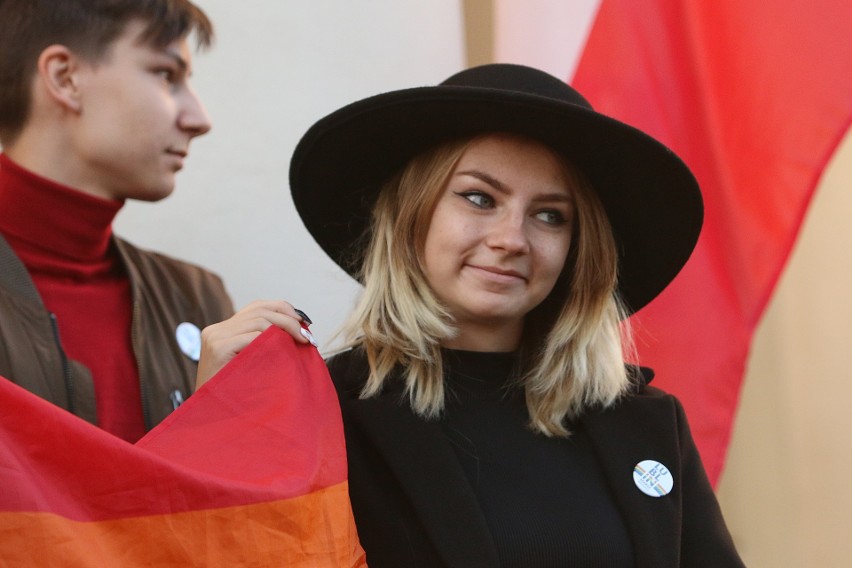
[[222, 341]]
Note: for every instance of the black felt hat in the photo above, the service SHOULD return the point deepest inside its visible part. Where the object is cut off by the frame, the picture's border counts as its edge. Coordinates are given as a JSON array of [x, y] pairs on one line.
[[652, 200]]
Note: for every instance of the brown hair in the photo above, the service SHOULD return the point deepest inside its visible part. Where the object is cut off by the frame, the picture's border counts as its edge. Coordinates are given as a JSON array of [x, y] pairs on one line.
[[88, 27]]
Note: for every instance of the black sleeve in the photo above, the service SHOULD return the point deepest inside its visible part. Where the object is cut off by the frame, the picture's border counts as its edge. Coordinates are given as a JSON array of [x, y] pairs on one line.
[[705, 537]]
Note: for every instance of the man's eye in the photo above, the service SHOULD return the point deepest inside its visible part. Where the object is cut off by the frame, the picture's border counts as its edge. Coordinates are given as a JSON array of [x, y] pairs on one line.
[[482, 200], [167, 75]]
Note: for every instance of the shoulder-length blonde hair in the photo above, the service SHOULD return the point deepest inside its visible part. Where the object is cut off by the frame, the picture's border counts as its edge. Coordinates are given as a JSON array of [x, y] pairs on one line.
[[572, 356]]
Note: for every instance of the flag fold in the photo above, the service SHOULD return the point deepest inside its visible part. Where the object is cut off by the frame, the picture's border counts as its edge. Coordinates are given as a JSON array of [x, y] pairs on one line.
[[251, 470]]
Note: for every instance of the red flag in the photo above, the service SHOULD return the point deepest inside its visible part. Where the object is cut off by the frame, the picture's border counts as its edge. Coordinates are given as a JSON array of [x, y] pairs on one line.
[[755, 97], [251, 470]]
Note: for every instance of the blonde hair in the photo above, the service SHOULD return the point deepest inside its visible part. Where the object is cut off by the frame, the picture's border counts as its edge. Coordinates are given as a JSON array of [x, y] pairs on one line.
[[572, 357]]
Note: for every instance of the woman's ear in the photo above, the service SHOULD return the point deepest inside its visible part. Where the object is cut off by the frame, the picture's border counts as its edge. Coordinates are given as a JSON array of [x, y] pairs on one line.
[[58, 67]]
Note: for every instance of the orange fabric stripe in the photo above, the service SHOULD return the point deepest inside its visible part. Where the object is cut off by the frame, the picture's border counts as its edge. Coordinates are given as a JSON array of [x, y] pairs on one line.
[[310, 531]]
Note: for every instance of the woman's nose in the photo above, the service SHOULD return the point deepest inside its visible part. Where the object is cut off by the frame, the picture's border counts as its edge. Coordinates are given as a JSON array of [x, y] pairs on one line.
[[509, 233]]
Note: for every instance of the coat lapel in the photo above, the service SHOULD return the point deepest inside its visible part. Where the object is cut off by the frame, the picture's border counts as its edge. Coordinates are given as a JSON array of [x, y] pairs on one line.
[[641, 428], [426, 466]]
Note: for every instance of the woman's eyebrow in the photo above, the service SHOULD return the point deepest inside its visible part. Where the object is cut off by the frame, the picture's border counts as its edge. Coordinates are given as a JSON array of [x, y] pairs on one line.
[[558, 196], [487, 178]]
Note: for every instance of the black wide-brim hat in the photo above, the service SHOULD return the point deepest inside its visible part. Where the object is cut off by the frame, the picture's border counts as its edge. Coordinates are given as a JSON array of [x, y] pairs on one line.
[[652, 199]]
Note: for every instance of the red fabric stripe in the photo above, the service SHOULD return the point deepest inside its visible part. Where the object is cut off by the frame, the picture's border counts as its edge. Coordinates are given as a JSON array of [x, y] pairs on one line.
[[755, 96], [266, 428]]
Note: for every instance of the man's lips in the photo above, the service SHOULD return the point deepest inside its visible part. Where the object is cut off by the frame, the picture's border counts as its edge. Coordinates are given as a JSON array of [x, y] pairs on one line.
[[178, 156]]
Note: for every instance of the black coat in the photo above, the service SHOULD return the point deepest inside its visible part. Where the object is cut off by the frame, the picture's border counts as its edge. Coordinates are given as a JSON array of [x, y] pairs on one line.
[[414, 506]]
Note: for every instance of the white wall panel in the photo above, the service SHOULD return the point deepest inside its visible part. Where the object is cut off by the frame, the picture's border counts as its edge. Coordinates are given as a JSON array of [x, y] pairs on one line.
[[277, 66]]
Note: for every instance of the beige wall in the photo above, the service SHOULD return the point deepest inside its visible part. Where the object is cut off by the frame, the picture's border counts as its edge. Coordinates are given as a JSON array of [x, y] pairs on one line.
[[787, 487]]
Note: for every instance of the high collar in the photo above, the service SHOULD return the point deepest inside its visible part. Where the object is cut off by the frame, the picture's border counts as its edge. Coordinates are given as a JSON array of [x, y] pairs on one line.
[[49, 219], [482, 366]]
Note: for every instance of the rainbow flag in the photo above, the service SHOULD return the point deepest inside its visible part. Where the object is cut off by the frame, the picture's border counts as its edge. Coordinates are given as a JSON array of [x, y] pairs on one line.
[[251, 470]]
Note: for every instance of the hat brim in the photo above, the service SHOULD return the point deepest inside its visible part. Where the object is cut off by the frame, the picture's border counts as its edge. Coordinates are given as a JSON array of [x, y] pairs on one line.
[[651, 198]]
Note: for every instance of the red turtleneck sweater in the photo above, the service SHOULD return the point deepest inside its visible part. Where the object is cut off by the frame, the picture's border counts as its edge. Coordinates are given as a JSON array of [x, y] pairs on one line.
[[63, 237]]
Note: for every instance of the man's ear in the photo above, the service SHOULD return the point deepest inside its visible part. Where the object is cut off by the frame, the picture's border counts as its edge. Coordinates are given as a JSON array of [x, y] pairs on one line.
[[58, 69]]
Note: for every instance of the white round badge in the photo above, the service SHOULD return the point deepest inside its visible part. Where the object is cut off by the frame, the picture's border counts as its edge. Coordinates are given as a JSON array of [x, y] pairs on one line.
[[653, 478], [189, 340]]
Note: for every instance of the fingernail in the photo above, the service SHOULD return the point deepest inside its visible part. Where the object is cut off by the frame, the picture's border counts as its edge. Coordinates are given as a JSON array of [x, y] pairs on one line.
[[309, 336], [304, 316]]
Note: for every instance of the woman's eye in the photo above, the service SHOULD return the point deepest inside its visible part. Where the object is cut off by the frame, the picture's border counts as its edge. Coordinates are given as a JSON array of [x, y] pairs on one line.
[[482, 200], [551, 217]]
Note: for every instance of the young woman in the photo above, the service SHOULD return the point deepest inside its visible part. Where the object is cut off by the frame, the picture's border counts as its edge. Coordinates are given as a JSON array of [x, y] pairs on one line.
[[503, 230]]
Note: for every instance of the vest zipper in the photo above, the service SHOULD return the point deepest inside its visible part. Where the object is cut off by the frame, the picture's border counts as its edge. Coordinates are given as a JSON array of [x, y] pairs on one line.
[[143, 386], [66, 369]]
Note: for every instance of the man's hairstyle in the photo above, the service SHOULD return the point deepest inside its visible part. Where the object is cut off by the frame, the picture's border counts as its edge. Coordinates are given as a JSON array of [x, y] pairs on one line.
[[87, 27], [573, 347]]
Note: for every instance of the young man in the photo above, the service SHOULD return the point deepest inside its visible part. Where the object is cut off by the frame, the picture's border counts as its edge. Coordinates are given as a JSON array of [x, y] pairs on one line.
[[96, 108]]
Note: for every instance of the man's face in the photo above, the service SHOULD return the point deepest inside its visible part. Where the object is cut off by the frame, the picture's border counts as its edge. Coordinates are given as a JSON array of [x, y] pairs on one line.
[[138, 114]]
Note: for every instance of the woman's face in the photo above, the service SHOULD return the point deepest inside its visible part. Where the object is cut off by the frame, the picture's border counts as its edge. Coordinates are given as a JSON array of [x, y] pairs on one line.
[[498, 239]]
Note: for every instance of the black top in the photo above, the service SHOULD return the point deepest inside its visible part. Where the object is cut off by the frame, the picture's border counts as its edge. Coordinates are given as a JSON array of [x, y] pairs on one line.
[[415, 507], [545, 500]]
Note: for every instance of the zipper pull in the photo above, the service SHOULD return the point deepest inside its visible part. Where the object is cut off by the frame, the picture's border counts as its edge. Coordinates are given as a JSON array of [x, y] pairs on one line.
[[177, 398]]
